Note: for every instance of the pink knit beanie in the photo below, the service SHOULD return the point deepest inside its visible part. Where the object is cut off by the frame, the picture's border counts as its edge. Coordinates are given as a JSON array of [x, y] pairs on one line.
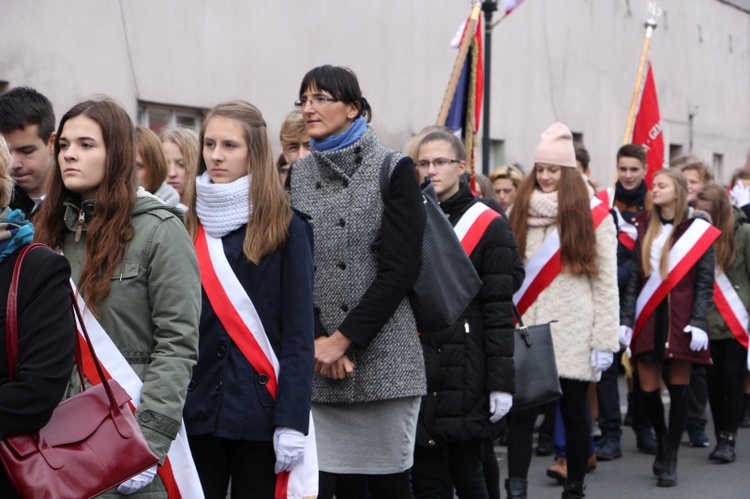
[[556, 147]]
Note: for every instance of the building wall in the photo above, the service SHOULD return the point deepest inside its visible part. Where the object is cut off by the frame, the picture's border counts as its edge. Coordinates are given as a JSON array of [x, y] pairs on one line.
[[573, 61]]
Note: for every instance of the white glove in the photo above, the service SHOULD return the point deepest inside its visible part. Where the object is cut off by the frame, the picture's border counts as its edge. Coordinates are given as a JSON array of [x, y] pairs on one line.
[[600, 360], [740, 194], [137, 482], [500, 404], [699, 341], [626, 336], [289, 446]]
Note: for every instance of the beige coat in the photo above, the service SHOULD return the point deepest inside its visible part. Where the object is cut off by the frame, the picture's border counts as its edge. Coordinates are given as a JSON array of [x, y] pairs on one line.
[[586, 307]]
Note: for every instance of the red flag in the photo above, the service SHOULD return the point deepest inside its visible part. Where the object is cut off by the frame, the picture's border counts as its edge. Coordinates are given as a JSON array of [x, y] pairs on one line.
[[648, 129]]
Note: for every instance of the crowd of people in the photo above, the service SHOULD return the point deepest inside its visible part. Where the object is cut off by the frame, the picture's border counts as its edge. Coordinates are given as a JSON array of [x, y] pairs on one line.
[[258, 305]]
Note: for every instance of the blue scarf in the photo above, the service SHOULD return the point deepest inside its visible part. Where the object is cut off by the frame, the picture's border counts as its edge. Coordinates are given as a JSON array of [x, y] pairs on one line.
[[15, 232], [342, 140]]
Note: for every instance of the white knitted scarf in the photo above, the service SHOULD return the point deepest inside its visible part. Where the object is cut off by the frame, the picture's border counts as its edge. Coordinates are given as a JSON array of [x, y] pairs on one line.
[[542, 208], [222, 208]]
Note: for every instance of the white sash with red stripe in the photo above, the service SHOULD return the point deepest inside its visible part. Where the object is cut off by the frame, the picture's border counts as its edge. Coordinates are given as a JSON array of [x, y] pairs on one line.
[[473, 225], [685, 253], [545, 265], [178, 471], [626, 232], [730, 306], [236, 311]]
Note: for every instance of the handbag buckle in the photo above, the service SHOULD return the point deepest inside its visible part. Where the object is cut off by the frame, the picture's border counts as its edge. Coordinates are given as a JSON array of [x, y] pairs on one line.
[[525, 336]]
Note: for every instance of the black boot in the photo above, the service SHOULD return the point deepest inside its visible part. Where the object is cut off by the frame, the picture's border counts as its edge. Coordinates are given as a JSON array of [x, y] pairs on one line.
[[668, 476], [516, 488], [573, 490], [724, 451], [661, 449]]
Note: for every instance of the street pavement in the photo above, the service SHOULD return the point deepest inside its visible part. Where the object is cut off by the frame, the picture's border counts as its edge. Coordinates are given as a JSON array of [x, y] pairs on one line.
[[630, 476]]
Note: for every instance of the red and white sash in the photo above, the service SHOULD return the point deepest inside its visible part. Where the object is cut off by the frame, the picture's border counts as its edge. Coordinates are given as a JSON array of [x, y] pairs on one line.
[[626, 232], [237, 314], [685, 253], [731, 308], [178, 472], [545, 265], [473, 225]]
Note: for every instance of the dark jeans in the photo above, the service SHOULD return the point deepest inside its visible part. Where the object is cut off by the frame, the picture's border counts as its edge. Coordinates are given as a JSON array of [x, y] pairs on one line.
[[608, 392], [726, 378], [395, 485], [219, 459], [698, 395], [435, 467]]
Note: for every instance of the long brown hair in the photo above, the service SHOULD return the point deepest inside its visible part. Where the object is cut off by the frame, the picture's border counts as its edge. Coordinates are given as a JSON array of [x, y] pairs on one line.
[[722, 217], [267, 227], [654, 224], [574, 221], [110, 229]]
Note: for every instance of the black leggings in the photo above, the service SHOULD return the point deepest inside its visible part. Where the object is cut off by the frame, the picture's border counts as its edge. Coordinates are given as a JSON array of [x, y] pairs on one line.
[[726, 378], [395, 485], [521, 428]]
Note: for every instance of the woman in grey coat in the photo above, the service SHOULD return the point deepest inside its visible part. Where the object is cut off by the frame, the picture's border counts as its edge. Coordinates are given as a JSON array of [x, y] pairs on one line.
[[368, 360]]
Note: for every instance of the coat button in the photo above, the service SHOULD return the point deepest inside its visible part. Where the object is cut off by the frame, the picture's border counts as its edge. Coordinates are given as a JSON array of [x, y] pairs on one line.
[[345, 307], [431, 442], [191, 386], [358, 160], [342, 265], [221, 351], [357, 149], [263, 378], [434, 394], [218, 385], [342, 222], [345, 183], [145, 417], [318, 185], [316, 310]]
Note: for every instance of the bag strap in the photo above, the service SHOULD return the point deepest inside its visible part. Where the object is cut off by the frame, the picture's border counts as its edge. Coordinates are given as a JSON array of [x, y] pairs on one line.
[[11, 329], [385, 177], [11, 312]]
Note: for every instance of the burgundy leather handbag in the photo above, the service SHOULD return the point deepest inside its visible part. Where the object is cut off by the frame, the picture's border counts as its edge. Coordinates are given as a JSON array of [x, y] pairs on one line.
[[92, 442]]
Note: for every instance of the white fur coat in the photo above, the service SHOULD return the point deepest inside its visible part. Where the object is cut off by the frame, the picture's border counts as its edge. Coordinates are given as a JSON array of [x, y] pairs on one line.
[[586, 307]]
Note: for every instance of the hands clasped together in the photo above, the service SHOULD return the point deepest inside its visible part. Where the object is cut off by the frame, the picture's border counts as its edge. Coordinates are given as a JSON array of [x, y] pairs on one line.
[[331, 360]]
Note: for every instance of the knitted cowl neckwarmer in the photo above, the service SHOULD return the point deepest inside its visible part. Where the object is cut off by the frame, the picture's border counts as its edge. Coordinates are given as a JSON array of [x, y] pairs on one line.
[[222, 208], [542, 208]]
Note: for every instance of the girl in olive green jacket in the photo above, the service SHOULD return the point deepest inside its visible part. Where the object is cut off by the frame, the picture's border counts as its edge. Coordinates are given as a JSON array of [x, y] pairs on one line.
[[133, 264]]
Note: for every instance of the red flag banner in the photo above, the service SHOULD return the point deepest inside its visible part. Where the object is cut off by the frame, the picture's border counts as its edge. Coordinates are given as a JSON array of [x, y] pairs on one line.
[[648, 129]]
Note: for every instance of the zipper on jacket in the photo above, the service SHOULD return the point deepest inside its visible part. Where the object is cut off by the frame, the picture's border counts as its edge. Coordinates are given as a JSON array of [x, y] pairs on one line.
[[466, 327], [79, 229]]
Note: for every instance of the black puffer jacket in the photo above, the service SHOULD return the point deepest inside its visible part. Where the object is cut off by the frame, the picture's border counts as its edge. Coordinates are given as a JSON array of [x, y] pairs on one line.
[[466, 361]]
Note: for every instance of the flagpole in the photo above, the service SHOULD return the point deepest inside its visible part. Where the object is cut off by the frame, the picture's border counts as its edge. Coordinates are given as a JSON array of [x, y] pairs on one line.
[[488, 7], [654, 13], [458, 66]]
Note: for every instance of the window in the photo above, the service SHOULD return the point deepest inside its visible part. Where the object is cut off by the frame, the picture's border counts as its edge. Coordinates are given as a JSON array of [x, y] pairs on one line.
[[159, 116], [675, 151], [718, 165], [497, 154]]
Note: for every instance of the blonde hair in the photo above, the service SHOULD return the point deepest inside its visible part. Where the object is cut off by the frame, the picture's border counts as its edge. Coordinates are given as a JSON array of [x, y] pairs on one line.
[[654, 224], [187, 141], [6, 183], [509, 172], [267, 227], [293, 130]]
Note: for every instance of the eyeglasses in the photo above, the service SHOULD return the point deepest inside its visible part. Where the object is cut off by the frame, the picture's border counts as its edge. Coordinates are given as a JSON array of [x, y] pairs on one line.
[[316, 100], [438, 162]]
